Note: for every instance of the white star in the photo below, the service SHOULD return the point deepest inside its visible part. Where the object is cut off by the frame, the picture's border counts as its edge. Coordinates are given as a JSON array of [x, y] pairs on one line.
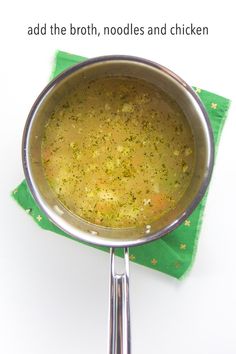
[[214, 105], [132, 257], [183, 246], [154, 261], [187, 223]]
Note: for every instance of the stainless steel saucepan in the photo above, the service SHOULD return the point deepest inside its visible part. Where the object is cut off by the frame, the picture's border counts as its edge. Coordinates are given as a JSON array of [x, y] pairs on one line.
[[119, 326]]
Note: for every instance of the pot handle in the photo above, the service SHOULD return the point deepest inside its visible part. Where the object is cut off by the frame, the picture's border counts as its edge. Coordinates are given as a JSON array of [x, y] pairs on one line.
[[119, 310]]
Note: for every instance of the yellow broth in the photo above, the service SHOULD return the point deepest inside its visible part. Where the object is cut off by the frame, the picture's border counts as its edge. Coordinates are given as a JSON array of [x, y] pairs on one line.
[[118, 152]]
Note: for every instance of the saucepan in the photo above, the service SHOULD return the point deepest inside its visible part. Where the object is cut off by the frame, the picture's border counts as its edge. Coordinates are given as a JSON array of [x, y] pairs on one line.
[[80, 229]]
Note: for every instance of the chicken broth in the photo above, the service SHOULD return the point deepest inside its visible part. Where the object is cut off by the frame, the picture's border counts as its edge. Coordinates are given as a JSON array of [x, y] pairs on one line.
[[118, 152]]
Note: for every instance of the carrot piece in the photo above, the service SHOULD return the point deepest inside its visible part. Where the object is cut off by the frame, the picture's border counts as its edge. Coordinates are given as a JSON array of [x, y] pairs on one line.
[[160, 201]]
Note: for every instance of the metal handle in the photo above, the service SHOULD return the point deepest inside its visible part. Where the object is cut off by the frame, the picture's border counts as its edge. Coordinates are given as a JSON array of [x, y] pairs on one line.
[[119, 311]]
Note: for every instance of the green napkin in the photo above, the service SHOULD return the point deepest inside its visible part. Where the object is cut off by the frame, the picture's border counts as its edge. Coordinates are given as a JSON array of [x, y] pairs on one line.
[[174, 253]]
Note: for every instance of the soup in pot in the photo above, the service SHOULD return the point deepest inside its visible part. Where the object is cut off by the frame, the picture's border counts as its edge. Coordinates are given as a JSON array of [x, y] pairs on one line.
[[118, 152]]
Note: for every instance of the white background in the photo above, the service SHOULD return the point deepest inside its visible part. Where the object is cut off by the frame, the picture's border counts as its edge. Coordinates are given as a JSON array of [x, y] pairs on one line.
[[53, 291]]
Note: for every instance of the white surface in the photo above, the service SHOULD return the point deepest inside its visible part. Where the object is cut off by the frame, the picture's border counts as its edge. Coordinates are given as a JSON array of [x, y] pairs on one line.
[[53, 291]]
